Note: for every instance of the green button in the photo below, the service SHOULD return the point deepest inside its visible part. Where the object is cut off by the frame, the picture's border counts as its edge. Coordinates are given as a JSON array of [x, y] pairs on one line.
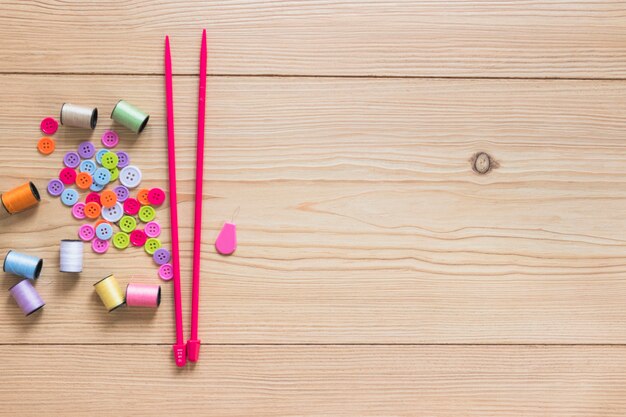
[[110, 160], [152, 245], [115, 173], [128, 224], [121, 240], [147, 214]]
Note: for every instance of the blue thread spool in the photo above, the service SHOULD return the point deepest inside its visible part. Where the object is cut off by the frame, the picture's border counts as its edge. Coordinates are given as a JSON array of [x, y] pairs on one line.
[[26, 266]]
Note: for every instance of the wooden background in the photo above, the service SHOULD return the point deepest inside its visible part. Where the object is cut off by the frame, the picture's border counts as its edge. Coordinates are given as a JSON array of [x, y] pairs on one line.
[[376, 274]]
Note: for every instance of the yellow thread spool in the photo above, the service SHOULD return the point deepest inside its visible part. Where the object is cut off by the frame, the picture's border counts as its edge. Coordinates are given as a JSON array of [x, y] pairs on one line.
[[20, 198], [110, 292]]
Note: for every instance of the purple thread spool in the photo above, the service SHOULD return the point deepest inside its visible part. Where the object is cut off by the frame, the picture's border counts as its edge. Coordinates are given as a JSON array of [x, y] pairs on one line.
[[27, 297]]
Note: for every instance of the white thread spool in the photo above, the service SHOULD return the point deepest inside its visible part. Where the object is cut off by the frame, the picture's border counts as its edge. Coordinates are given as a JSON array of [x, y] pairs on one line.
[[79, 116], [71, 256]]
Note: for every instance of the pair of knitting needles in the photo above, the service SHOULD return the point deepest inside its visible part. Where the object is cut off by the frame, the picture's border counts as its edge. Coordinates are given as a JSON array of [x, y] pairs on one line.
[[190, 351]]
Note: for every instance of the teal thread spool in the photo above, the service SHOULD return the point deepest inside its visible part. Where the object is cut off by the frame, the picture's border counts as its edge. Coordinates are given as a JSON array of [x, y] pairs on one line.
[[26, 266], [130, 116]]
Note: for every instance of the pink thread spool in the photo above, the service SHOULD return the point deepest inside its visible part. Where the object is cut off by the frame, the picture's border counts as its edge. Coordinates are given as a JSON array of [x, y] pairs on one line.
[[143, 295]]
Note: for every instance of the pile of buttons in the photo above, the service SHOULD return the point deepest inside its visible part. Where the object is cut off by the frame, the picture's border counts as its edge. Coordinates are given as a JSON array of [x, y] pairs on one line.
[[109, 209]]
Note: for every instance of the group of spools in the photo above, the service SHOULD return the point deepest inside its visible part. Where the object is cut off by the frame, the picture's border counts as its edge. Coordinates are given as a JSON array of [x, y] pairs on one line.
[[27, 196]]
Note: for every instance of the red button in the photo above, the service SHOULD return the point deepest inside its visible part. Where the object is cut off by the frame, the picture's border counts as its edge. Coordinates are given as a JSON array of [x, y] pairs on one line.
[[49, 126], [93, 197], [131, 206], [138, 237], [67, 176], [156, 196]]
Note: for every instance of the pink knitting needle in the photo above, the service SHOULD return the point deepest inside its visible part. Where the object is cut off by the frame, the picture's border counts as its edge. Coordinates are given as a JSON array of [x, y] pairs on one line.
[[193, 344], [179, 348]]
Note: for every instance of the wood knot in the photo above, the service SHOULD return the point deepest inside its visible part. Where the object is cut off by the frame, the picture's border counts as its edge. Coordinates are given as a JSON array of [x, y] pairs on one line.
[[482, 163]]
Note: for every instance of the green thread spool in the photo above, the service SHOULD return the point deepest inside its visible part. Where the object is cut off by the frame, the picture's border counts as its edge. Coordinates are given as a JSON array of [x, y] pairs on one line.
[[130, 116]]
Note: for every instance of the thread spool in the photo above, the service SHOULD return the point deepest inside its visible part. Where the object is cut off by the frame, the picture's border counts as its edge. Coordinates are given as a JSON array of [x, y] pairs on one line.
[[110, 293], [71, 255], [23, 265], [143, 295], [79, 116], [27, 297], [20, 198], [130, 116]]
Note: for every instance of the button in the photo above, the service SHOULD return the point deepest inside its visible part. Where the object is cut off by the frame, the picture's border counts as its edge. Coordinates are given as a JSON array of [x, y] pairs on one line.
[[109, 160], [130, 176], [46, 145], [142, 196], [95, 197], [100, 221], [128, 224], [102, 176], [152, 245], [147, 214], [156, 196], [86, 150], [49, 126], [55, 187], [97, 187], [78, 211], [121, 192], [104, 231], [166, 272], [161, 256], [131, 206], [67, 176], [84, 180], [86, 232], [69, 197], [152, 229], [113, 214], [99, 155], [115, 173], [100, 246], [92, 210], [108, 198], [110, 139], [87, 166], [138, 237], [121, 240], [71, 159], [123, 159]]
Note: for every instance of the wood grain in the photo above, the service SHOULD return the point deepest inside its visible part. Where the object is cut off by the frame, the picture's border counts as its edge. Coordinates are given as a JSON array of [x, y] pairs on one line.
[[545, 38], [360, 218]]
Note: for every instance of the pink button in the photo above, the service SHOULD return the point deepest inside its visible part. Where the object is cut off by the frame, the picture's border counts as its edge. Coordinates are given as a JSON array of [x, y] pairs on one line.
[[93, 197], [78, 211], [86, 232], [152, 229], [166, 272], [49, 126], [67, 176], [138, 237], [110, 139], [99, 245], [156, 196], [131, 206]]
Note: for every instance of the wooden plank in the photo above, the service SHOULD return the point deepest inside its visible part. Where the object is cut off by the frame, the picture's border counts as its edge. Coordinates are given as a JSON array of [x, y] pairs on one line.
[[360, 218], [544, 38], [315, 381]]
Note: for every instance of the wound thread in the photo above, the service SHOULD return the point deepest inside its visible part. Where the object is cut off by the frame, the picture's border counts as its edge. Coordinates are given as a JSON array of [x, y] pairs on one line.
[[20, 198], [130, 116], [143, 295], [23, 265], [109, 291], [79, 116], [27, 297], [71, 255]]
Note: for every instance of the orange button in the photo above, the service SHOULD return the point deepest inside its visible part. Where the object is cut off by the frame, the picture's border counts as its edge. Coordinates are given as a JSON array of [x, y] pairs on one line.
[[46, 145], [99, 222], [84, 180], [108, 198], [92, 210], [142, 196]]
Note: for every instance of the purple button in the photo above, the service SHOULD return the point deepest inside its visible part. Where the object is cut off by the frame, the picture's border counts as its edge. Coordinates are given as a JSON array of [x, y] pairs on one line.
[[122, 193], [152, 229], [123, 159], [161, 256], [166, 272], [100, 246], [71, 160], [110, 139], [78, 211], [86, 150], [55, 187], [86, 232]]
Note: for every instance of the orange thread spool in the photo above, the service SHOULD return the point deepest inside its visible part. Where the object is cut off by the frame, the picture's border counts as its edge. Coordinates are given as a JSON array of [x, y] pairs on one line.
[[21, 198]]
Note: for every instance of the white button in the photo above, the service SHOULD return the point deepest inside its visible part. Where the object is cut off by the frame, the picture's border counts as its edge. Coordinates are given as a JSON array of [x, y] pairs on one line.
[[130, 176], [114, 213]]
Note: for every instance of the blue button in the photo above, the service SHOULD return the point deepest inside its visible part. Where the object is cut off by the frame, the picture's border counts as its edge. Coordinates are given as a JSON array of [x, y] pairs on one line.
[[88, 166], [102, 176], [104, 231], [99, 155], [96, 187], [69, 197]]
